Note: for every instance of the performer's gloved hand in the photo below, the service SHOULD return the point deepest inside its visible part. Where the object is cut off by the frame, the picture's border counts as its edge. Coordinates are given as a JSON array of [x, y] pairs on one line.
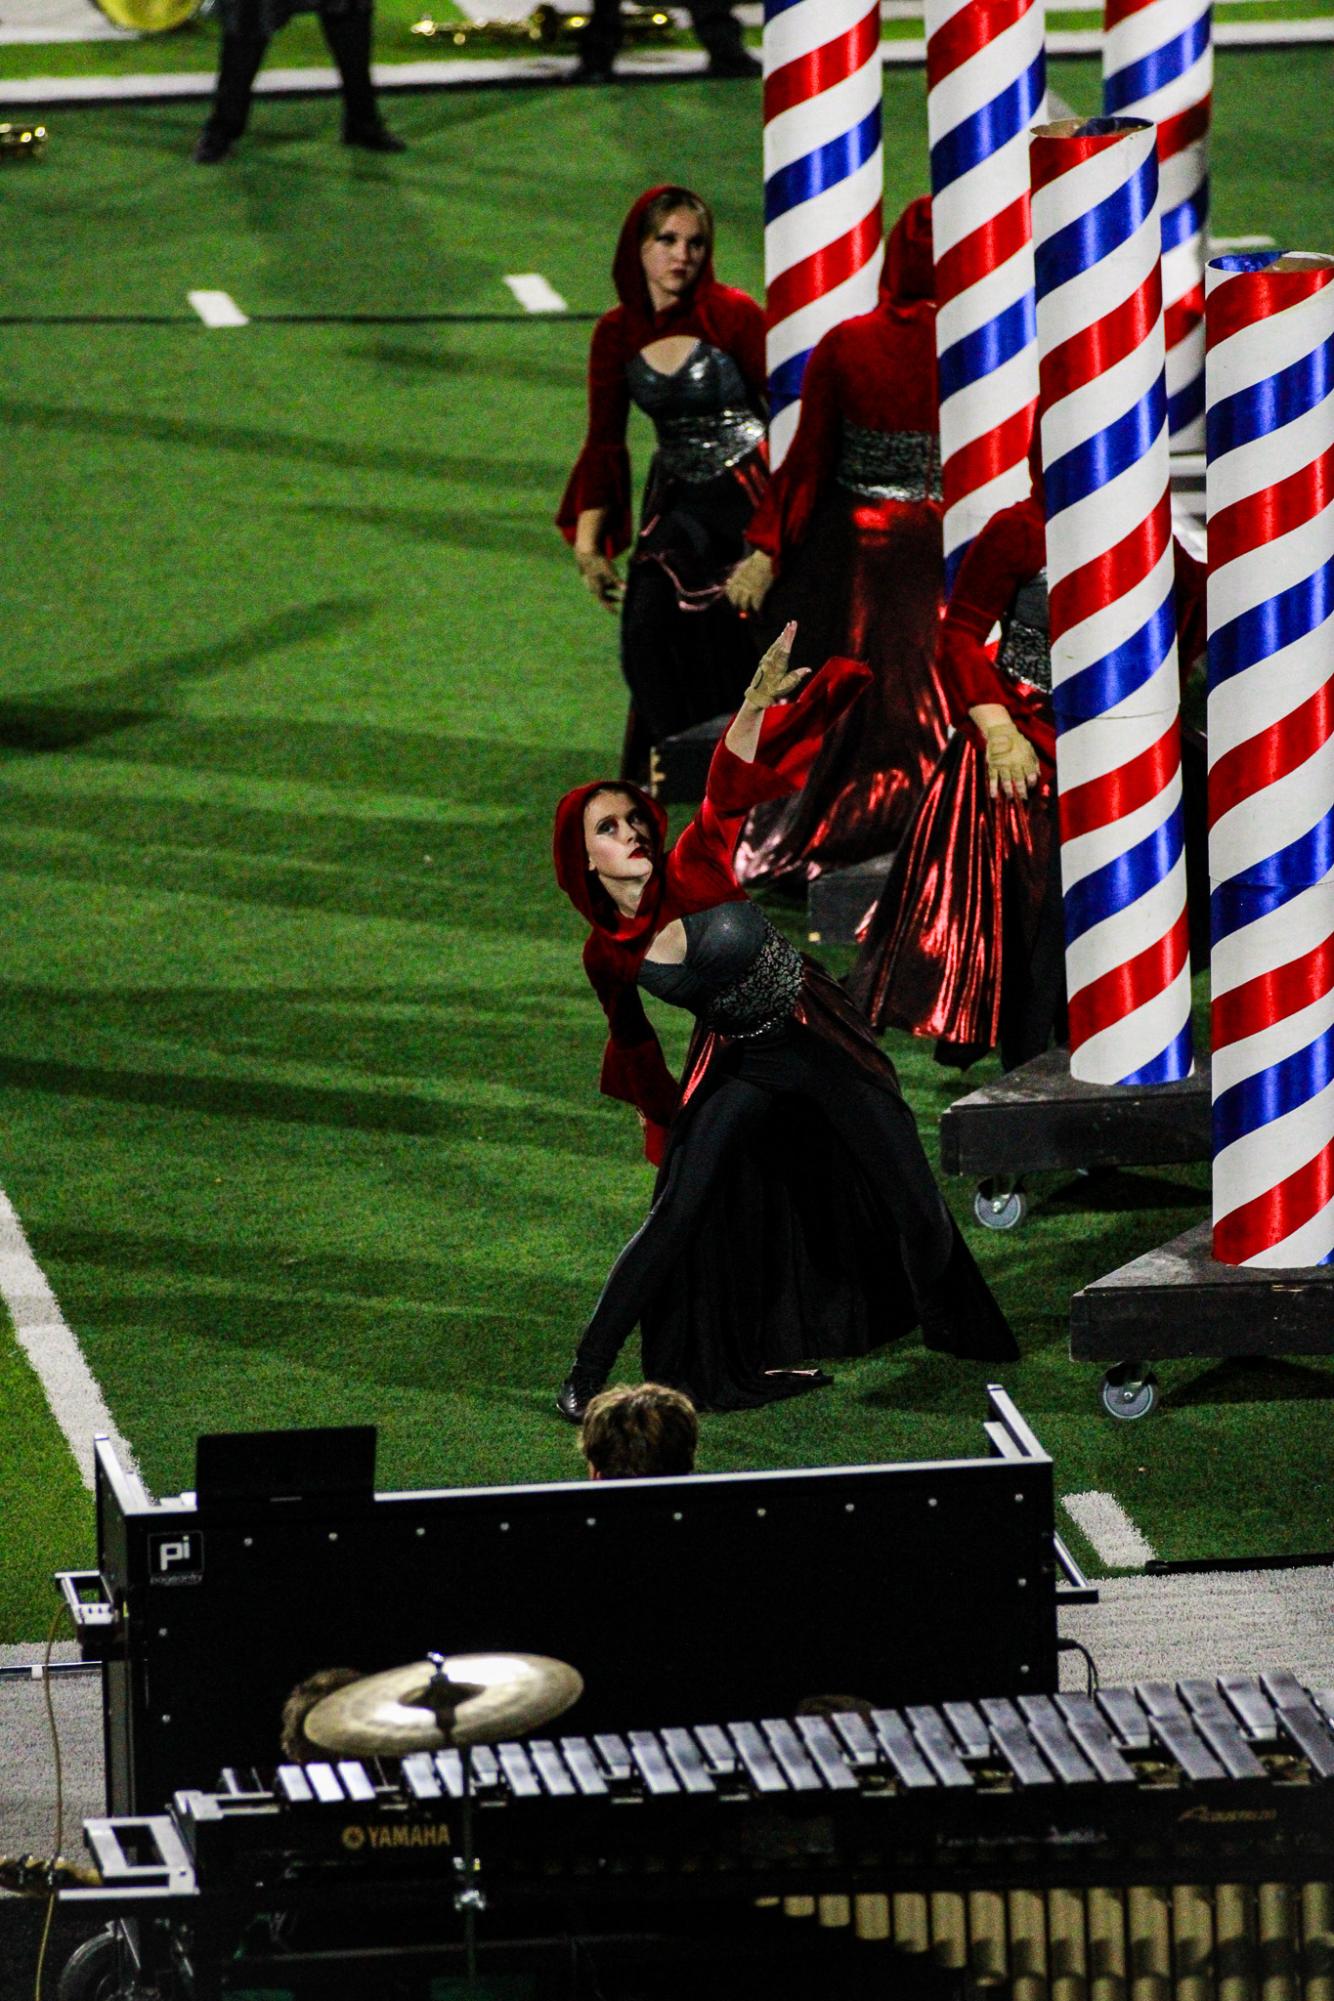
[[748, 585], [772, 678], [599, 577], [1012, 762]]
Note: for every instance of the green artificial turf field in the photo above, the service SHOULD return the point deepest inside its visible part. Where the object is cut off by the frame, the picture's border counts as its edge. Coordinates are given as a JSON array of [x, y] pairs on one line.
[[297, 1058], [194, 46]]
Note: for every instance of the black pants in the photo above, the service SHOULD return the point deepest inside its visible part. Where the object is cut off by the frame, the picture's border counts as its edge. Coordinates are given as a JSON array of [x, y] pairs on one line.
[[874, 1126], [681, 667], [349, 38], [713, 21], [686, 666]]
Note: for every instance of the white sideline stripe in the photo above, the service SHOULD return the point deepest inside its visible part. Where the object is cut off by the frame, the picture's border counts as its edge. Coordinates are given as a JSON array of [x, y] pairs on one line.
[[1241, 243], [217, 309], [1109, 1528], [52, 91], [534, 294], [57, 1360]]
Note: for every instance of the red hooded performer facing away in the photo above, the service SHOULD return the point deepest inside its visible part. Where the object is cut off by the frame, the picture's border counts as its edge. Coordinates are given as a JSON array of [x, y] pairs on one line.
[[967, 941], [794, 1212], [851, 529], [689, 352]]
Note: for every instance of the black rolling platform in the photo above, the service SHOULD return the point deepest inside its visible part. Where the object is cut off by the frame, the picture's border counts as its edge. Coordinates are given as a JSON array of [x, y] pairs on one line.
[[1177, 1302], [1039, 1117], [837, 902], [679, 765]]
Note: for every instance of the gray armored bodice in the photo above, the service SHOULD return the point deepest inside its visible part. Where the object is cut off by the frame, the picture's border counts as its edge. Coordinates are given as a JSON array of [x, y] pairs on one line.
[[1025, 648], [738, 975], [701, 412], [889, 465]]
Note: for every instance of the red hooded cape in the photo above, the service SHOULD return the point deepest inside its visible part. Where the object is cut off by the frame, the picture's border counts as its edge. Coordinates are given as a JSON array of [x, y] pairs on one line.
[[693, 875], [728, 319], [877, 371], [1007, 552]]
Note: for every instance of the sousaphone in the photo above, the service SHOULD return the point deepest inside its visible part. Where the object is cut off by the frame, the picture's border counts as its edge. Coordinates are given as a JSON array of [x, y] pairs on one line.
[[150, 17]]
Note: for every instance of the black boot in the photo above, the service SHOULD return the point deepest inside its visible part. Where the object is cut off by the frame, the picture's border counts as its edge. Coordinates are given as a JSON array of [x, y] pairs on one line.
[[577, 1391], [376, 138], [349, 39]]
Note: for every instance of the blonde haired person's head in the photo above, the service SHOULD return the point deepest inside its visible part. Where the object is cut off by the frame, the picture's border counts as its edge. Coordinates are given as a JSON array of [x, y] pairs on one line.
[[633, 1433]]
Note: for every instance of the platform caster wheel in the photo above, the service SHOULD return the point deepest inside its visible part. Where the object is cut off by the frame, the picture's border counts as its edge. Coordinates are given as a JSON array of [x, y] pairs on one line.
[[1000, 1205], [1129, 1390], [92, 1971]]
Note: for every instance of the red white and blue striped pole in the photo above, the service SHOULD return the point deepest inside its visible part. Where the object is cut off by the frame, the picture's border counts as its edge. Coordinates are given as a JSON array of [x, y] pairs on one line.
[[986, 85], [1157, 63], [1110, 568], [823, 183], [1270, 433]]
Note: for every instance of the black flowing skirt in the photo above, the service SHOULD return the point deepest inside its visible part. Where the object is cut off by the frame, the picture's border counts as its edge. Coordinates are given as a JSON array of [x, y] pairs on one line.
[[795, 1216]]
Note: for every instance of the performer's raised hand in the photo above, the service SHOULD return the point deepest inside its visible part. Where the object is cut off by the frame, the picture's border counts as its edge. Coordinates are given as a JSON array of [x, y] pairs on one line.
[[773, 678], [748, 585]]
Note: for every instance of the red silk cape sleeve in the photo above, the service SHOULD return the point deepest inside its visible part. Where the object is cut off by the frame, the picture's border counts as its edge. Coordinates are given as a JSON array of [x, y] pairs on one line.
[[790, 737], [601, 475], [1010, 550]]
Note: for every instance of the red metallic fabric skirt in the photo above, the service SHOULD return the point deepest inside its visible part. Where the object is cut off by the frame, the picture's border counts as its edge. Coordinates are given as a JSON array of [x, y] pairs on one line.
[[960, 911], [868, 582]]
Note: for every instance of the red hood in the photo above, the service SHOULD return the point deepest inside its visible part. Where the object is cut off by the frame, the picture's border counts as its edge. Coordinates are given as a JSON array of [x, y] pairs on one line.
[[570, 855], [627, 272], [908, 274]]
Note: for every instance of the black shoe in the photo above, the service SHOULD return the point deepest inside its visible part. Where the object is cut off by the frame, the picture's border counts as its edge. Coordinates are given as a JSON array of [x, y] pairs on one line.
[[591, 73], [376, 138], [576, 1393], [740, 64], [210, 147]]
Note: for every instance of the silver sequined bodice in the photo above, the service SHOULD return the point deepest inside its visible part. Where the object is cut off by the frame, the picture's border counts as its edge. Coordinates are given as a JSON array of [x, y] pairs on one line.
[[701, 413], [1025, 648], [889, 465], [739, 975]]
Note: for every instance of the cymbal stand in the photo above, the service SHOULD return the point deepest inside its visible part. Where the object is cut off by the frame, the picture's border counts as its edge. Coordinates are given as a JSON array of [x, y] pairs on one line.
[[469, 1896], [443, 1697]]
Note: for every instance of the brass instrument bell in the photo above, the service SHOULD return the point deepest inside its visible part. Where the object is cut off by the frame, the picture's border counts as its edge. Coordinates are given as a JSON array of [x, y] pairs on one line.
[[546, 27], [150, 17], [22, 142]]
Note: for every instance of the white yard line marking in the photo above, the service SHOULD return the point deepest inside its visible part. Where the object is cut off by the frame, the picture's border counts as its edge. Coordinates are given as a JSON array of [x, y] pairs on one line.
[[217, 309], [69, 1385], [534, 294], [1240, 243], [1110, 1530]]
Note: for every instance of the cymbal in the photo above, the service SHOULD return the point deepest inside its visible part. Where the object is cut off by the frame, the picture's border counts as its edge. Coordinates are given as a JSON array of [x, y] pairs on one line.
[[473, 1699]]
